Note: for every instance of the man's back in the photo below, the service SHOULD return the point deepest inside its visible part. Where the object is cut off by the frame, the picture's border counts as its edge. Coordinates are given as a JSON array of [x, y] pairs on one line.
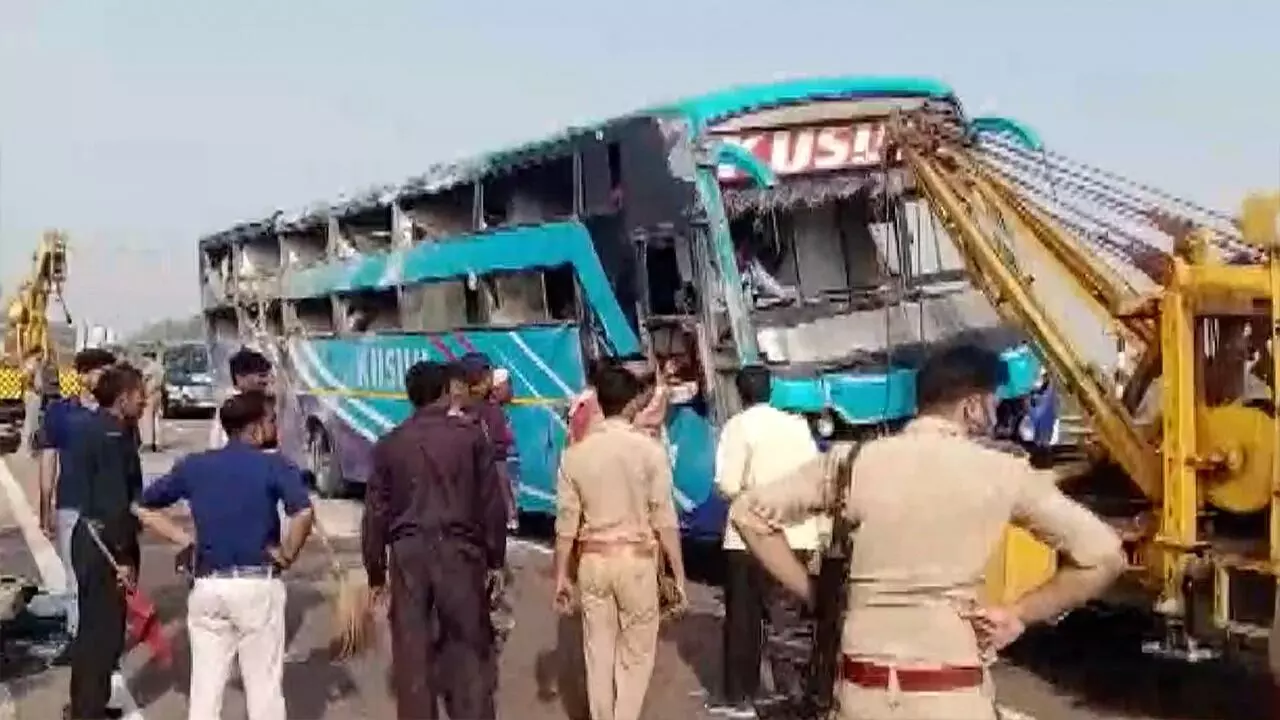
[[60, 424], [234, 494], [758, 446], [435, 475], [930, 506], [104, 451], [615, 484]]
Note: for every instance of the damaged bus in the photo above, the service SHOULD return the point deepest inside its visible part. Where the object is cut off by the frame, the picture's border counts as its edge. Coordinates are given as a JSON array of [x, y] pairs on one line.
[[761, 224]]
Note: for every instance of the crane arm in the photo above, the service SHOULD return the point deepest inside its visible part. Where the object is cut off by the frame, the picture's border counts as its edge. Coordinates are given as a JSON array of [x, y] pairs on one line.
[[27, 326], [1138, 257], [961, 201]]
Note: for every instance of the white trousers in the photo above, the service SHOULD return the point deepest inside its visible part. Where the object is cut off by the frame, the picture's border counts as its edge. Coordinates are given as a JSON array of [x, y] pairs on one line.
[[237, 617]]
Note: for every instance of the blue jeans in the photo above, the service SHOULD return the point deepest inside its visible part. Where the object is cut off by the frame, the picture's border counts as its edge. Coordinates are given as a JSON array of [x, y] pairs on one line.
[[66, 522]]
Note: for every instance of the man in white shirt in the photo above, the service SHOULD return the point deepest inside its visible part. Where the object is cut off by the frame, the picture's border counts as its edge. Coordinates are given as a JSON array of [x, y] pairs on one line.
[[250, 371], [758, 446]]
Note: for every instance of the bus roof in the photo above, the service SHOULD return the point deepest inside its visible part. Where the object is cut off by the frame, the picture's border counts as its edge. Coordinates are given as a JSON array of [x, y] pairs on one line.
[[699, 111]]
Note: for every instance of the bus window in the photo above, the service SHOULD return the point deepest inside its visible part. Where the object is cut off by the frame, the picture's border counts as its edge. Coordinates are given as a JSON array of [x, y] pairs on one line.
[[433, 306], [512, 299], [562, 294], [539, 193], [369, 231], [448, 213], [268, 316], [310, 316], [369, 311], [301, 249]]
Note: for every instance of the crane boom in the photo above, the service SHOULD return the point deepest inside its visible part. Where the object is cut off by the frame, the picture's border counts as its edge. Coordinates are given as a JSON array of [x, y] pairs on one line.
[[27, 339], [1195, 291], [1015, 302]]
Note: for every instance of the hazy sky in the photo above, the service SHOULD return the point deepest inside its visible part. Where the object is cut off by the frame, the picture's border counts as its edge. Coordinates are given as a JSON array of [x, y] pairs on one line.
[[139, 125]]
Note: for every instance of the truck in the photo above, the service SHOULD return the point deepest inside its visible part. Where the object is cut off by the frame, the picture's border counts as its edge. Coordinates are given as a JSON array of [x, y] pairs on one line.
[[188, 380]]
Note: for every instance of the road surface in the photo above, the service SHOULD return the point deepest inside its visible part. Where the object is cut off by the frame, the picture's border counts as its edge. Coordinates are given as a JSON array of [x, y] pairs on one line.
[[1086, 671]]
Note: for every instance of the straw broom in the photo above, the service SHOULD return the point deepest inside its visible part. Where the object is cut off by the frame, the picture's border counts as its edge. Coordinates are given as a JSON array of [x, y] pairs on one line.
[[353, 629]]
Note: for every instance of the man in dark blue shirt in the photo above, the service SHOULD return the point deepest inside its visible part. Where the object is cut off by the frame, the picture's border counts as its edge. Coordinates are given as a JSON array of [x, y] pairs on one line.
[[237, 605], [60, 485], [103, 453]]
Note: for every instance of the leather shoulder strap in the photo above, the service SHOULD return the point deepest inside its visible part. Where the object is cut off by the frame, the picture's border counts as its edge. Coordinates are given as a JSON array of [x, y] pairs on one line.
[[841, 478]]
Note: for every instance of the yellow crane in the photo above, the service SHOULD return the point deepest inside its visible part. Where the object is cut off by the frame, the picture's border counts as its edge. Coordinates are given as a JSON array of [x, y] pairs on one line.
[[1188, 470], [27, 341]]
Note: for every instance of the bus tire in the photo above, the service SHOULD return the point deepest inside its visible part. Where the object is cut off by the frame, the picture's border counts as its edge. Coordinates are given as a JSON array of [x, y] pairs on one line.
[[323, 465]]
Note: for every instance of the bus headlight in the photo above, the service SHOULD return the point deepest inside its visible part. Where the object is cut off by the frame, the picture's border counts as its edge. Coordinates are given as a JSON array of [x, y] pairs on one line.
[[825, 425]]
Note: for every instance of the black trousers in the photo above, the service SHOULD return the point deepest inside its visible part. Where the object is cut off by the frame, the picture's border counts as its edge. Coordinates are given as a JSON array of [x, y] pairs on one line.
[[442, 640], [743, 626], [99, 642], [762, 621]]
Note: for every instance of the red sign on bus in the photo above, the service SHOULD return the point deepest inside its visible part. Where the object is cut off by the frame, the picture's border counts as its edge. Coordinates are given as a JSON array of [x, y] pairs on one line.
[[805, 149]]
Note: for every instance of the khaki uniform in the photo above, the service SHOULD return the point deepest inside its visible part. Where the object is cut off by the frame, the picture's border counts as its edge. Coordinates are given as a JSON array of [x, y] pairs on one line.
[[150, 423], [613, 494], [928, 506]]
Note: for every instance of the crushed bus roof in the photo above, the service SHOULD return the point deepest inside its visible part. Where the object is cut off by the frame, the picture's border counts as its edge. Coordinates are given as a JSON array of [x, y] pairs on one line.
[[699, 110]]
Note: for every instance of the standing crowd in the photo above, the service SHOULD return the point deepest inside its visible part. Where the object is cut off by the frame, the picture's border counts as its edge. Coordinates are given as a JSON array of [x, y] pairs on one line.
[[94, 505], [908, 521]]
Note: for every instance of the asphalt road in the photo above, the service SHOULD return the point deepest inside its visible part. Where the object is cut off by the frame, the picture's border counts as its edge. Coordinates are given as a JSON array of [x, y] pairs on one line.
[[1086, 669]]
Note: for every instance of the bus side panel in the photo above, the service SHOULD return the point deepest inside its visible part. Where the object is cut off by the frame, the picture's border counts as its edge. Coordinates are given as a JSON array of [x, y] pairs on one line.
[[355, 388], [691, 443]]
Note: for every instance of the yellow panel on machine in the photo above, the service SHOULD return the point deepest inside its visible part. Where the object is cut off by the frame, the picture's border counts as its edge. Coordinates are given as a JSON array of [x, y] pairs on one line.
[[1020, 564], [68, 382], [13, 382]]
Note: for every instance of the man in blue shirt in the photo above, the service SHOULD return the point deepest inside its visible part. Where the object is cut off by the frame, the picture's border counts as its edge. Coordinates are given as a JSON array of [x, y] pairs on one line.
[[61, 486], [237, 606], [103, 453]]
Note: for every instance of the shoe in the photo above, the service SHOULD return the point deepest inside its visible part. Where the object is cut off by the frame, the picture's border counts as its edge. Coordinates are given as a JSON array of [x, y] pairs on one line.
[[107, 713], [63, 658], [744, 710]]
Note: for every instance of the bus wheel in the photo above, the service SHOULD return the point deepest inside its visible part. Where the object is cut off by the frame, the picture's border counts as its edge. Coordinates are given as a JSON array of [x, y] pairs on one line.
[[325, 470]]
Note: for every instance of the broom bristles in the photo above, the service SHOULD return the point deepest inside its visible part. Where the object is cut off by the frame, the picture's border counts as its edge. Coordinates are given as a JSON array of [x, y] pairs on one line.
[[354, 630]]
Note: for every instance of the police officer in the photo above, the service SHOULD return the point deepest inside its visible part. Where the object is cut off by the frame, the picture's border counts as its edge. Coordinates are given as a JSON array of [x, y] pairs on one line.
[[237, 605], [104, 450], [616, 516], [150, 425], [928, 507]]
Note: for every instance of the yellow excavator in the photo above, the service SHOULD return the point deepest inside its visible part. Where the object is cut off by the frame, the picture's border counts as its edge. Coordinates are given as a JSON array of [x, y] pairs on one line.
[[1184, 446], [27, 341]]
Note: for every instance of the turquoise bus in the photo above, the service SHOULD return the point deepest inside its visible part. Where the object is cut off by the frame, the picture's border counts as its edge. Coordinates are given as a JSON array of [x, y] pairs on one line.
[[759, 224]]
